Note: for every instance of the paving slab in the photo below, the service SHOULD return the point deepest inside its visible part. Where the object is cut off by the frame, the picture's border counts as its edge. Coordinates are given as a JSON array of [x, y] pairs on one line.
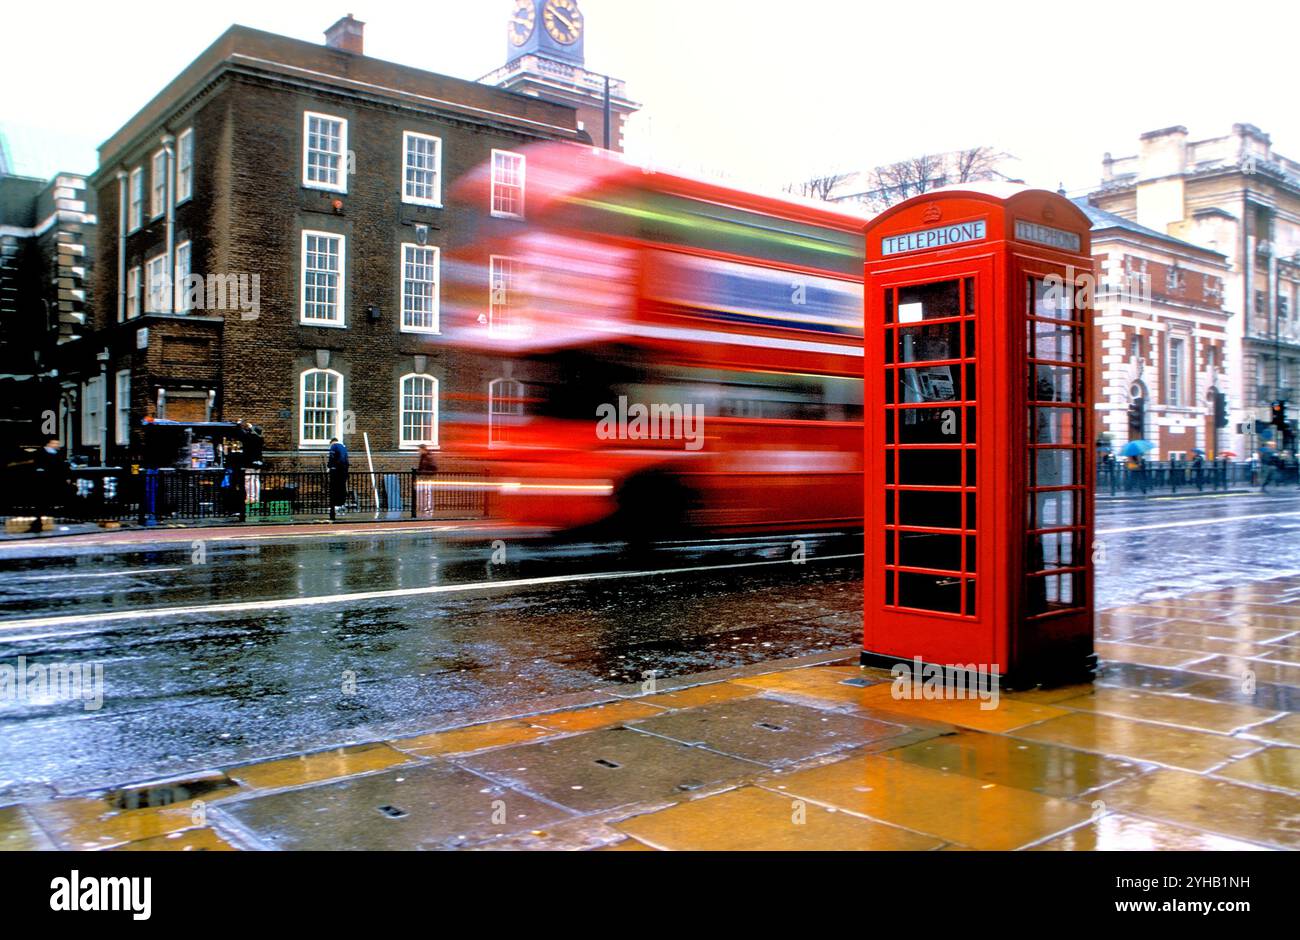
[[1286, 730], [1004, 715], [949, 807], [1115, 832], [472, 738], [700, 695], [438, 805], [188, 840], [1039, 768], [93, 823], [597, 716], [1139, 740], [602, 770], [322, 765], [1258, 670], [1219, 806], [1277, 767], [19, 832], [755, 819], [768, 731], [1178, 710]]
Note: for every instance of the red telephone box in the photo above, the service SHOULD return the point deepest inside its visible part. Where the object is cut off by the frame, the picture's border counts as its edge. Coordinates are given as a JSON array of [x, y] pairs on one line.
[[979, 455]]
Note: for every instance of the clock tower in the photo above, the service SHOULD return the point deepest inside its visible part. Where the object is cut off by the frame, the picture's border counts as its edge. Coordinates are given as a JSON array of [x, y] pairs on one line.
[[545, 58], [551, 28]]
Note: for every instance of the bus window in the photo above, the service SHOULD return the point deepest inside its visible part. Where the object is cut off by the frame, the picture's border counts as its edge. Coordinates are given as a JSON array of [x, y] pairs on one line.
[[766, 395], [671, 219]]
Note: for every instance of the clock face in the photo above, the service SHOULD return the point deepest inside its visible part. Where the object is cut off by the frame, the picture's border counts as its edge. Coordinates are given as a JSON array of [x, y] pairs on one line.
[[563, 21], [522, 22]]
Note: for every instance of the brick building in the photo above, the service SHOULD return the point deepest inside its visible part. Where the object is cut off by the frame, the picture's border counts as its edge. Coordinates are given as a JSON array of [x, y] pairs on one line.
[[1235, 195], [297, 196], [46, 259], [1160, 337]]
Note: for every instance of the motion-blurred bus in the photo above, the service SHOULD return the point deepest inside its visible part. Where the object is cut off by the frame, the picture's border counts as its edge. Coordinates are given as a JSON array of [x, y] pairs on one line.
[[661, 354]]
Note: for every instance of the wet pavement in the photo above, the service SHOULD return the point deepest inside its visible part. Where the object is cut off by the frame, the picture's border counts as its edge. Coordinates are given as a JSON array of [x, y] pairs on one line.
[[411, 652], [815, 753]]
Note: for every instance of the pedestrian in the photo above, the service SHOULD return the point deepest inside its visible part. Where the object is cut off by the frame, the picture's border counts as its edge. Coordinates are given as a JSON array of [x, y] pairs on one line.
[[424, 487], [1131, 467], [51, 473], [1268, 457], [338, 475]]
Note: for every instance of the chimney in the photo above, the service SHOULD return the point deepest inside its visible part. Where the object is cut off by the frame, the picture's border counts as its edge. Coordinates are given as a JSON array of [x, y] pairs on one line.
[[347, 35]]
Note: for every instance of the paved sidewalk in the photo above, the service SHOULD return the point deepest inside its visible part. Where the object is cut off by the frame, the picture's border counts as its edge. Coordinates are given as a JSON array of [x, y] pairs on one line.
[[1190, 740]]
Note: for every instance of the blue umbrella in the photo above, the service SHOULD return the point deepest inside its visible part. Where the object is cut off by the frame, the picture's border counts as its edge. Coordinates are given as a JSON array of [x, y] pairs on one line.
[[1137, 448]]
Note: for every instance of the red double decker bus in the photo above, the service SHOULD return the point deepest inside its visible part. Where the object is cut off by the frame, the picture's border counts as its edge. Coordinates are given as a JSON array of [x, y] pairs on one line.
[[664, 354]]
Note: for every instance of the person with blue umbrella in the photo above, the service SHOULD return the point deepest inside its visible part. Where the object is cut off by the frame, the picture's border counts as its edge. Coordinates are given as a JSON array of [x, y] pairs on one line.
[[1135, 453]]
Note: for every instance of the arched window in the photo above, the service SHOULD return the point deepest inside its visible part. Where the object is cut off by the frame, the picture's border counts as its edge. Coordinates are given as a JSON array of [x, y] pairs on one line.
[[505, 408], [419, 410], [320, 407]]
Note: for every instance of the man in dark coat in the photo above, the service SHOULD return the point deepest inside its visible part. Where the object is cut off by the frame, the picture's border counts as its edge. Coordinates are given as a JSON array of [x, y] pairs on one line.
[[338, 471], [51, 482]]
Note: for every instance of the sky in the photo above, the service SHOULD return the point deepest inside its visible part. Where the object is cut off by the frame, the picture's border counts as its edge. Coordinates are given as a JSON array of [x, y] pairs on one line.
[[759, 92]]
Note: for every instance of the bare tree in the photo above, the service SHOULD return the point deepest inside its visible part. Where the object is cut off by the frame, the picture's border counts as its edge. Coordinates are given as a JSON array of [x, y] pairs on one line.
[[819, 187], [896, 182], [975, 164]]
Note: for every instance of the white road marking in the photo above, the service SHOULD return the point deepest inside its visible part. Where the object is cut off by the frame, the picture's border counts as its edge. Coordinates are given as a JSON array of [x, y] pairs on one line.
[[67, 575], [285, 603], [1192, 523], [182, 535]]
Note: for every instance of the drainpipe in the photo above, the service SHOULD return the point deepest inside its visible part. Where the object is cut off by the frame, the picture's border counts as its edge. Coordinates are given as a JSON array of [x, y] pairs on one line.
[[169, 200], [121, 245]]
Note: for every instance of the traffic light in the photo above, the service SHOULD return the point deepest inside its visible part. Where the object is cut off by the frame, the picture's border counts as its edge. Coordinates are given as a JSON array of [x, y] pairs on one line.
[[1279, 415], [1220, 410], [1136, 418]]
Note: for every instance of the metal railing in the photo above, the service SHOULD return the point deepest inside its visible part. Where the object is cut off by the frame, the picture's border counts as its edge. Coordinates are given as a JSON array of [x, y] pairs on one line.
[[1117, 478], [154, 496]]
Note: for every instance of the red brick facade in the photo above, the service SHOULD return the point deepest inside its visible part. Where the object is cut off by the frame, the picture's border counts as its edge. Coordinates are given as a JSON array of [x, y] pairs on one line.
[[245, 100]]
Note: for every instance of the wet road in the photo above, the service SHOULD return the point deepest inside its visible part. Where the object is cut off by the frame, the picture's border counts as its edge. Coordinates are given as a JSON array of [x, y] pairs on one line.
[[1168, 546], [218, 652]]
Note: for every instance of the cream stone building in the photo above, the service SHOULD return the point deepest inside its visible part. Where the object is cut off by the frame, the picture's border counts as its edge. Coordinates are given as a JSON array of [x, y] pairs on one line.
[[1232, 195]]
